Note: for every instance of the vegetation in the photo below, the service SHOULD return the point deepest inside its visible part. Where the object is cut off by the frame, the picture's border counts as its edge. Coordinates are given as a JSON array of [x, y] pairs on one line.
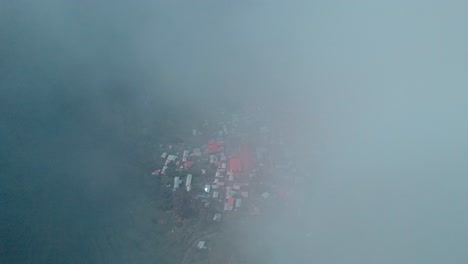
[[183, 204]]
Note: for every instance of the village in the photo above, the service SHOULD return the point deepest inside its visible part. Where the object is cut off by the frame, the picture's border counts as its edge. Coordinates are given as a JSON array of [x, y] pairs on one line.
[[235, 167]]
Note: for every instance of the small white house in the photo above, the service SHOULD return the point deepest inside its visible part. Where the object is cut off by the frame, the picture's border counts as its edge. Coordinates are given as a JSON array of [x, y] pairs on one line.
[[164, 155], [222, 157], [238, 202], [176, 182], [213, 159], [217, 217], [197, 152], [201, 245], [188, 181], [171, 157]]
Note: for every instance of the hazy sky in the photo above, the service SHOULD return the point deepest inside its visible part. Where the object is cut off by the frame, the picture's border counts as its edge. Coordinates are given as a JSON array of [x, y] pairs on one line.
[[373, 89]]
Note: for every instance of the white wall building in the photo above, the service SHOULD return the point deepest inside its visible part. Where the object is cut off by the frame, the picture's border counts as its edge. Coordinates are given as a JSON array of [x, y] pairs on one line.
[[188, 182], [176, 182]]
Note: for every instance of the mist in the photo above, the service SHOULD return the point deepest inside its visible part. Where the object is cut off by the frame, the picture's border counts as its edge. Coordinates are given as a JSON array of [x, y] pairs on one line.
[[370, 93]]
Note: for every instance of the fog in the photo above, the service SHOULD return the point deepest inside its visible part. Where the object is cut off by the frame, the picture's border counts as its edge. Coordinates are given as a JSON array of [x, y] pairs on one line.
[[372, 94]]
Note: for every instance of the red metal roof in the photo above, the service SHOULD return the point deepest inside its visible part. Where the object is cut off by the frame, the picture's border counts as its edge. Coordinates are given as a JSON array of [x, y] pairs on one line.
[[188, 164], [248, 158], [231, 202], [235, 164], [214, 147]]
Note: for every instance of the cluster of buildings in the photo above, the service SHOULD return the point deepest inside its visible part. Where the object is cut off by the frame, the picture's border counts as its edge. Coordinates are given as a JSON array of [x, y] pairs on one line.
[[221, 173]]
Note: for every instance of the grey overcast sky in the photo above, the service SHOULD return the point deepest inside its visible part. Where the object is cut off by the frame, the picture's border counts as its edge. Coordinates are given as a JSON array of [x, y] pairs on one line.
[[375, 93]]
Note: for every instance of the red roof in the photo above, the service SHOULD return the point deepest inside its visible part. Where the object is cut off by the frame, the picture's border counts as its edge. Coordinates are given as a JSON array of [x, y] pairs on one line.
[[214, 147], [231, 202], [248, 159], [188, 164], [244, 162], [235, 164]]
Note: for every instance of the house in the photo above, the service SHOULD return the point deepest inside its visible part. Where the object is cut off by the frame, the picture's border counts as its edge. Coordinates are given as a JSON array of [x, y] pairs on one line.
[[188, 182], [213, 159], [230, 193], [231, 203], [171, 157], [201, 245], [217, 217], [238, 202], [247, 157], [235, 167], [188, 164], [164, 155], [176, 182], [214, 147], [196, 152], [220, 183], [235, 164], [215, 195], [222, 157]]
